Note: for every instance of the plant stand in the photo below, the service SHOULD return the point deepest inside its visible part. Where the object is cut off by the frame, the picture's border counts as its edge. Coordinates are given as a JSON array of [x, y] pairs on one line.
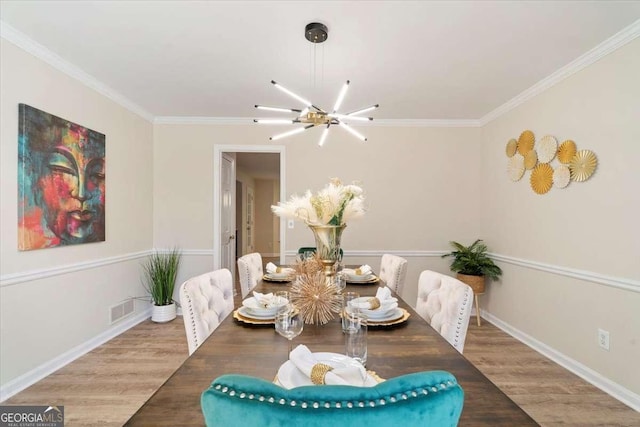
[[477, 284]]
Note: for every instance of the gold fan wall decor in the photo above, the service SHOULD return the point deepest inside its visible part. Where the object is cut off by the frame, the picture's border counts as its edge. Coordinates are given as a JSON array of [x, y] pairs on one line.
[[583, 165], [515, 167], [561, 176], [547, 148], [542, 178], [526, 142], [566, 151], [512, 147], [530, 160]]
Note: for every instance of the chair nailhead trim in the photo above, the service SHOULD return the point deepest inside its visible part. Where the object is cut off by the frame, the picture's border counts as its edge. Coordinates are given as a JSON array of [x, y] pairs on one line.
[[338, 405]]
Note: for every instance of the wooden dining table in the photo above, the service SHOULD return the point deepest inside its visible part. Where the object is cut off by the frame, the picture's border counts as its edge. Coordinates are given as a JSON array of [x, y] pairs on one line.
[[257, 350]]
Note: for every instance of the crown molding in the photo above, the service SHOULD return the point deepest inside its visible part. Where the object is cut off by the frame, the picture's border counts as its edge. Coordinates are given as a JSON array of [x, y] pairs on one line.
[[613, 43], [14, 36], [197, 120]]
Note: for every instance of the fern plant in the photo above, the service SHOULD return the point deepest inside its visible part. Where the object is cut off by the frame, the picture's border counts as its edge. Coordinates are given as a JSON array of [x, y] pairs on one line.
[[473, 260], [160, 272]]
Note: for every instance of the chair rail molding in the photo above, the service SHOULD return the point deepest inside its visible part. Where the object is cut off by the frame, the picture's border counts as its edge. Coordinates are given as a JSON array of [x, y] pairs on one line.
[[30, 275], [589, 276]]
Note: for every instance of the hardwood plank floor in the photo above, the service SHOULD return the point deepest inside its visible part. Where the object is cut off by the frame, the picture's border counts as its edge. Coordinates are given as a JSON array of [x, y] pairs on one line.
[[106, 386]]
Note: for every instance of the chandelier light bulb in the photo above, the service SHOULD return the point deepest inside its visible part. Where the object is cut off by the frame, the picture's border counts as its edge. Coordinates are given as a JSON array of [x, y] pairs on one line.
[[289, 133], [352, 131], [364, 110], [291, 94], [341, 95], [324, 135], [277, 109], [274, 121]]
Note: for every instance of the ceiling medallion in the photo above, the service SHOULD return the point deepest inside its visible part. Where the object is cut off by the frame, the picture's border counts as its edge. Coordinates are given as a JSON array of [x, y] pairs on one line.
[[311, 115]]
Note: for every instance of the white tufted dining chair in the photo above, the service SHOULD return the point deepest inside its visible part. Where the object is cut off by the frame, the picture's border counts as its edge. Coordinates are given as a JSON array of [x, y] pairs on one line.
[[206, 300], [393, 271], [445, 302], [249, 272]]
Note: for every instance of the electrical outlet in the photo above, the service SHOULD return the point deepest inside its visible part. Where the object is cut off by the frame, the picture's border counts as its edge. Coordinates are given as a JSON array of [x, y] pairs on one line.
[[290, 223], [603, 339]]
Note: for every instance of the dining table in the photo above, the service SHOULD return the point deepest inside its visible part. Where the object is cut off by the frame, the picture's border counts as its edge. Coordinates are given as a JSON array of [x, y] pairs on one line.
[[258, 350]]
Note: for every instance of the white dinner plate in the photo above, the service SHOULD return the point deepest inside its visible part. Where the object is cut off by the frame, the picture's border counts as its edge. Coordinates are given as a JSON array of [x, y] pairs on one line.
[[246, 312], [392, 315], [252, 304], [360, 277], [382, 312], [289, 376]]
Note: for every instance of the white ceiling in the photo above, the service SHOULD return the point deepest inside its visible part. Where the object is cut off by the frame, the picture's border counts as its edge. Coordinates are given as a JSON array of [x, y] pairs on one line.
[[419, 60]]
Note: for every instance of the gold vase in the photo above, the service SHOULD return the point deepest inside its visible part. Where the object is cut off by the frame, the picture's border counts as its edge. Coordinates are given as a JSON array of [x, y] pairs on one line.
[[328, 244]]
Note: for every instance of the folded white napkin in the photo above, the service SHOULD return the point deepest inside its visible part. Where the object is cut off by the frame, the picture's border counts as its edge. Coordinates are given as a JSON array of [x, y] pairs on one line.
[[265, 300], [363, 270], [352, 374], [382, 301], [271, 268]]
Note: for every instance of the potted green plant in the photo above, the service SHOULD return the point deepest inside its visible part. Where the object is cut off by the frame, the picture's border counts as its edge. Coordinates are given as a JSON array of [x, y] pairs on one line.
[[160, 271], [473, 264]]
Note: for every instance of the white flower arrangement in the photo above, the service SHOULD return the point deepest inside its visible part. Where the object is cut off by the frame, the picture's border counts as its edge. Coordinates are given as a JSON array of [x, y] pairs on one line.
[[335, 204]]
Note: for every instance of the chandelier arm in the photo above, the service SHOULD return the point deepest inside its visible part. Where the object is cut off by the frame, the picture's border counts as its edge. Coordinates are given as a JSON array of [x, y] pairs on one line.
[[324, 135], [363, 110], [290, 132], [344, 116], [278, 109], [292, 94], [352, 131], [341, 96]]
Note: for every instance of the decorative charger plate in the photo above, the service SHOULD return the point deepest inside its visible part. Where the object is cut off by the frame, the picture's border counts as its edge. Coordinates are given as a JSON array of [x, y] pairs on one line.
[[561, 176], [515, 167], [566, 151], [526, 142], [530, 160], [269, 278], [373, 279], [512, 147], [547, 149], [583, 165], [394, 321], [242, 316], [542, 178]]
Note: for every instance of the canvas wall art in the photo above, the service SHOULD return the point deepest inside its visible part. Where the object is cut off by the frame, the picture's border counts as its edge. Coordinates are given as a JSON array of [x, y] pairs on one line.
[[61, 182]]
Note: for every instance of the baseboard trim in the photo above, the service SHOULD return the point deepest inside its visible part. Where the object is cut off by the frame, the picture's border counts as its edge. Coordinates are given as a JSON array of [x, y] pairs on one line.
[[615, 390], [25, 380]]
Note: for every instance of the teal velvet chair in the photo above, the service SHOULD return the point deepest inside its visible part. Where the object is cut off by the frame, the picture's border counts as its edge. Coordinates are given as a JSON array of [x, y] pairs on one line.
[[431, 398]]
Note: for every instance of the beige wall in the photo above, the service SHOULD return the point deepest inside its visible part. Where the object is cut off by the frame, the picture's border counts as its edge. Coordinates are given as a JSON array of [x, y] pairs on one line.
[[265, 238], [590, 226], [41, 319]]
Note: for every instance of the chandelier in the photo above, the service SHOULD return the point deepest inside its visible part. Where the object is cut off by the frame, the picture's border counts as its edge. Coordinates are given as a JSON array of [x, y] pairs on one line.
[[311, 115]]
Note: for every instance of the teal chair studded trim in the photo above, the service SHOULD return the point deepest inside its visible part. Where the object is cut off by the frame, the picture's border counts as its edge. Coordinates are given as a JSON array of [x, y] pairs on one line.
[[431, 398]]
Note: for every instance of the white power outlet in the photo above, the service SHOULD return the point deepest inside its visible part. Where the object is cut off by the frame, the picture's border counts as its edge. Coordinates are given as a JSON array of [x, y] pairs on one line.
[[290, 223], [603, 339]]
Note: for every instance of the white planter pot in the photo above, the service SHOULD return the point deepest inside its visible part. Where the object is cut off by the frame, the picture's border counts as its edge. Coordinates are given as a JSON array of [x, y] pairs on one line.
[[163, 313]]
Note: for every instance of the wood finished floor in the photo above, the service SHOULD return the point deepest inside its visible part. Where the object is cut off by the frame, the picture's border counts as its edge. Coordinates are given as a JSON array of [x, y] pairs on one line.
[[106, 386]]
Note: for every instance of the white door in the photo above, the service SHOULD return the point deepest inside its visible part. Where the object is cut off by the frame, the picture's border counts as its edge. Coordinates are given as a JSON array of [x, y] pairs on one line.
[[250, 219], [227, 213]]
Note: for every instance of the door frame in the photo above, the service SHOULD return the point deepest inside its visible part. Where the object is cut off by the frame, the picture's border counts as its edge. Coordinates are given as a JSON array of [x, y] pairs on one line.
[[217, 178]]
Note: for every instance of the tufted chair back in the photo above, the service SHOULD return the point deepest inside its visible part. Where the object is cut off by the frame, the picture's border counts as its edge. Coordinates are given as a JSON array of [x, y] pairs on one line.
[[206, 300], [432, 398], [249, 272], [445, 302], [393, 270]]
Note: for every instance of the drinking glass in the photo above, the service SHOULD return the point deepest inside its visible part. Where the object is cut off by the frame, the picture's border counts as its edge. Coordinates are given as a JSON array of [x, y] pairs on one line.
[[281, 296], [346, 308], [356, 337], [340, 281], [289, 323]]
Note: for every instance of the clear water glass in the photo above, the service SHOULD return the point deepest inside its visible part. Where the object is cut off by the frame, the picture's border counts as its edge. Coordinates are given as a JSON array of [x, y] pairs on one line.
[[356, 337], [346, 308], [289, 323]]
